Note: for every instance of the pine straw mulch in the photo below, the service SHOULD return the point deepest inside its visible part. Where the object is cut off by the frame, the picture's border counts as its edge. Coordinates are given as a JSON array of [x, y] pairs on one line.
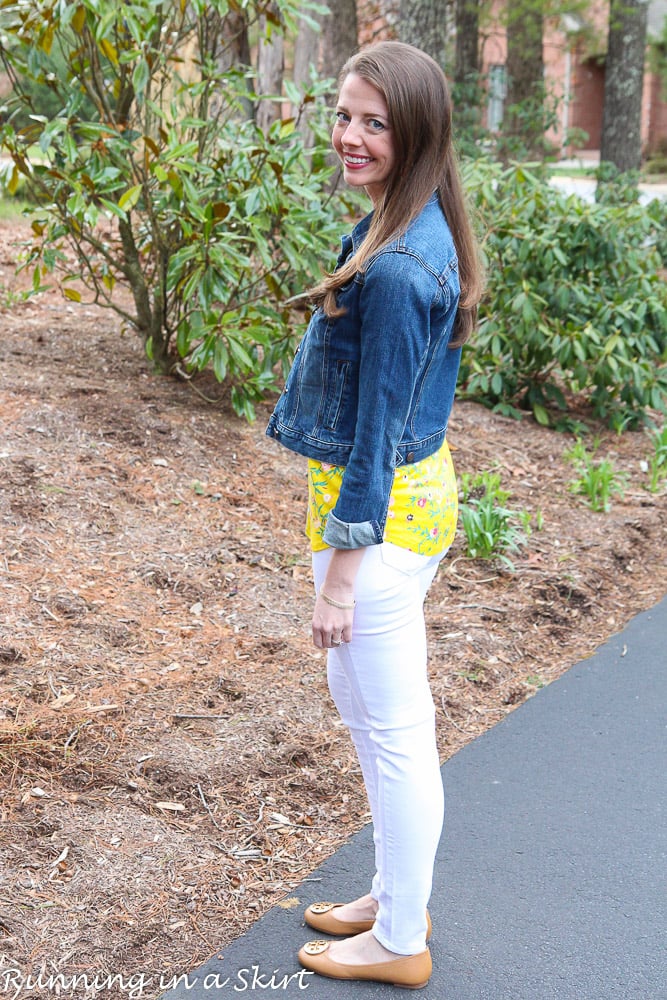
[[170, 762]]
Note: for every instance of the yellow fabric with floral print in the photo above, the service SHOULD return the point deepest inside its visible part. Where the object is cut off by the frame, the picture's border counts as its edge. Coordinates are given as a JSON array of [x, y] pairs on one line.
[[423, 505]]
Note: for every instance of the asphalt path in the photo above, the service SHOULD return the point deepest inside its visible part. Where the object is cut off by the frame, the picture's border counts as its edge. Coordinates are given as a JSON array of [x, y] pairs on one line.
[[550, 877]]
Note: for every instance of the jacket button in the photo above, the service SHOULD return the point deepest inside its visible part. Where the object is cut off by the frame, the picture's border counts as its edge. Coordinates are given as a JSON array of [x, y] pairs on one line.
[[410, 457]]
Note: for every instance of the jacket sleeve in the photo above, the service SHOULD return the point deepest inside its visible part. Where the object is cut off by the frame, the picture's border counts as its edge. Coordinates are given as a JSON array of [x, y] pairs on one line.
[[395, 316]]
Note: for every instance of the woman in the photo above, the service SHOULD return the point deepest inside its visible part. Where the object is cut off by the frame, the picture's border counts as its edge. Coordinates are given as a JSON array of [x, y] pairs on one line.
[[367, 401]]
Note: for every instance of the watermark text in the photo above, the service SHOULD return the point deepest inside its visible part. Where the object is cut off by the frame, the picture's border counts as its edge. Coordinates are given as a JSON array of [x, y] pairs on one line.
[[17, 984]]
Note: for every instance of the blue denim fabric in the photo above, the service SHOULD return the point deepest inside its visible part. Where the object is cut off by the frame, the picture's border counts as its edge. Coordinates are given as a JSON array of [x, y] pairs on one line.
[[373, 389]]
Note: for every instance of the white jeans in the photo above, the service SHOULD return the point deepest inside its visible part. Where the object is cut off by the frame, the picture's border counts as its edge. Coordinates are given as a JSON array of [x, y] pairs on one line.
[[379, 684]]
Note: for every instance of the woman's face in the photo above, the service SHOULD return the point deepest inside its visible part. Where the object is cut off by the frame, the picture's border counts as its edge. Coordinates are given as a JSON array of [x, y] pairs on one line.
[[362, 136]]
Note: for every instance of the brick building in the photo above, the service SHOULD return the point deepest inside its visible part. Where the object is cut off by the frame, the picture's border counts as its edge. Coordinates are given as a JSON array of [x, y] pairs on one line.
[[574, 56]]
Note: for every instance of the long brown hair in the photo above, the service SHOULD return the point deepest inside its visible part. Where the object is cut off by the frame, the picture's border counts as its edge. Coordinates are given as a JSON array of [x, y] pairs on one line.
[[420, 116]]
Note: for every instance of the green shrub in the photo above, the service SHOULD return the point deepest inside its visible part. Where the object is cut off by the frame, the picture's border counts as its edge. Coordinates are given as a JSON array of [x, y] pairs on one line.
[[657, 210], [39, 94], [169, 190], [575, 302], [469, 99]]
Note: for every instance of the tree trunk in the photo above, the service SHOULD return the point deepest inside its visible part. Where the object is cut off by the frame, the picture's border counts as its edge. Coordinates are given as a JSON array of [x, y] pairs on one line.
[[226, 39], [340, 37], [424, 23], [624, 79], [467, 41], [270, 68], [524, 119], [306, 55], [306, 52], [233, 46], [327, 50]]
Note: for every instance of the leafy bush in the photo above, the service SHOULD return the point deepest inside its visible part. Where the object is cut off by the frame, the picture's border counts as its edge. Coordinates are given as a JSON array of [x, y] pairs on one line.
[[522, 133], [169, 188], [39, 96], [469, 99], [575, 302], [657, 209]]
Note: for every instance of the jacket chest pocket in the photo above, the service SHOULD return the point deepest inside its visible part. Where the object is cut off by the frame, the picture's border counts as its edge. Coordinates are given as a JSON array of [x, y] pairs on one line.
[[339, 373]]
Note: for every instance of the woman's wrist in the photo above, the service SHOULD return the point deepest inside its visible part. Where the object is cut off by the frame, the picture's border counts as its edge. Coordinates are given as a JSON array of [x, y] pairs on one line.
[[337, 590], [347, 605]]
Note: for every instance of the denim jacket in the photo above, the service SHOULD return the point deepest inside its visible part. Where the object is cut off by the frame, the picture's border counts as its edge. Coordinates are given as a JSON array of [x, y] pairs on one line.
[[373, 389]]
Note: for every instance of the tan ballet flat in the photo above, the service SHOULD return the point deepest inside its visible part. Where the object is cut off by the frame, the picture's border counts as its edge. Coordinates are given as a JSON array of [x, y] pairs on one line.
[[412, 972], [321, 918]]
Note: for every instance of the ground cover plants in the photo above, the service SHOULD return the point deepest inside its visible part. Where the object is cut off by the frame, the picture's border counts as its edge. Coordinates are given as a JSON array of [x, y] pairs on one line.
[[656, 465], [597, 479], [491, 529]]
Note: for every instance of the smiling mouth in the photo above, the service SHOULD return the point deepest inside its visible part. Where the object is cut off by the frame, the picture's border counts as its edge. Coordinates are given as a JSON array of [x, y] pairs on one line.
[[358, 161]]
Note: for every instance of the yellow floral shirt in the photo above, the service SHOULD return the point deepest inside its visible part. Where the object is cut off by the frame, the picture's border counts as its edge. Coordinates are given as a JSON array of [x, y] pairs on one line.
[[423, 504]]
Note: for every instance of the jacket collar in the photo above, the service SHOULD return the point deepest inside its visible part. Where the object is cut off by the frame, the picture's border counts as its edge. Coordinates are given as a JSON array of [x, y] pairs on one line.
[[360, 230], [354, 241]]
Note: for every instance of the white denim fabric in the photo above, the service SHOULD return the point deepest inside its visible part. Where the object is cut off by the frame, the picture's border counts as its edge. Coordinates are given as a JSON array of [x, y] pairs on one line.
[[379, 684]]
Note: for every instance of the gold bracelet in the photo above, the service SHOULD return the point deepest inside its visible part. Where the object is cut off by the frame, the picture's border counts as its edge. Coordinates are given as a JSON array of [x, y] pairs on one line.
[[336, 604]]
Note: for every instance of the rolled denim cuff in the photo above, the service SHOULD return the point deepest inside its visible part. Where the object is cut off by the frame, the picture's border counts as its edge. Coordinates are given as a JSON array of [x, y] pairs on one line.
[[341, 535]]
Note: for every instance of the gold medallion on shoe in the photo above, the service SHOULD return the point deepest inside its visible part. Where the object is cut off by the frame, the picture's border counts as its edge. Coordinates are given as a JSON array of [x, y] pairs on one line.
[[409, 971], [315, 947], [321, 918]]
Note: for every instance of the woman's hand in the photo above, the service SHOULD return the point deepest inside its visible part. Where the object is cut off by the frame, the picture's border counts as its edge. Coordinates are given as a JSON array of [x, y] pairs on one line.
[[332, 625]]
